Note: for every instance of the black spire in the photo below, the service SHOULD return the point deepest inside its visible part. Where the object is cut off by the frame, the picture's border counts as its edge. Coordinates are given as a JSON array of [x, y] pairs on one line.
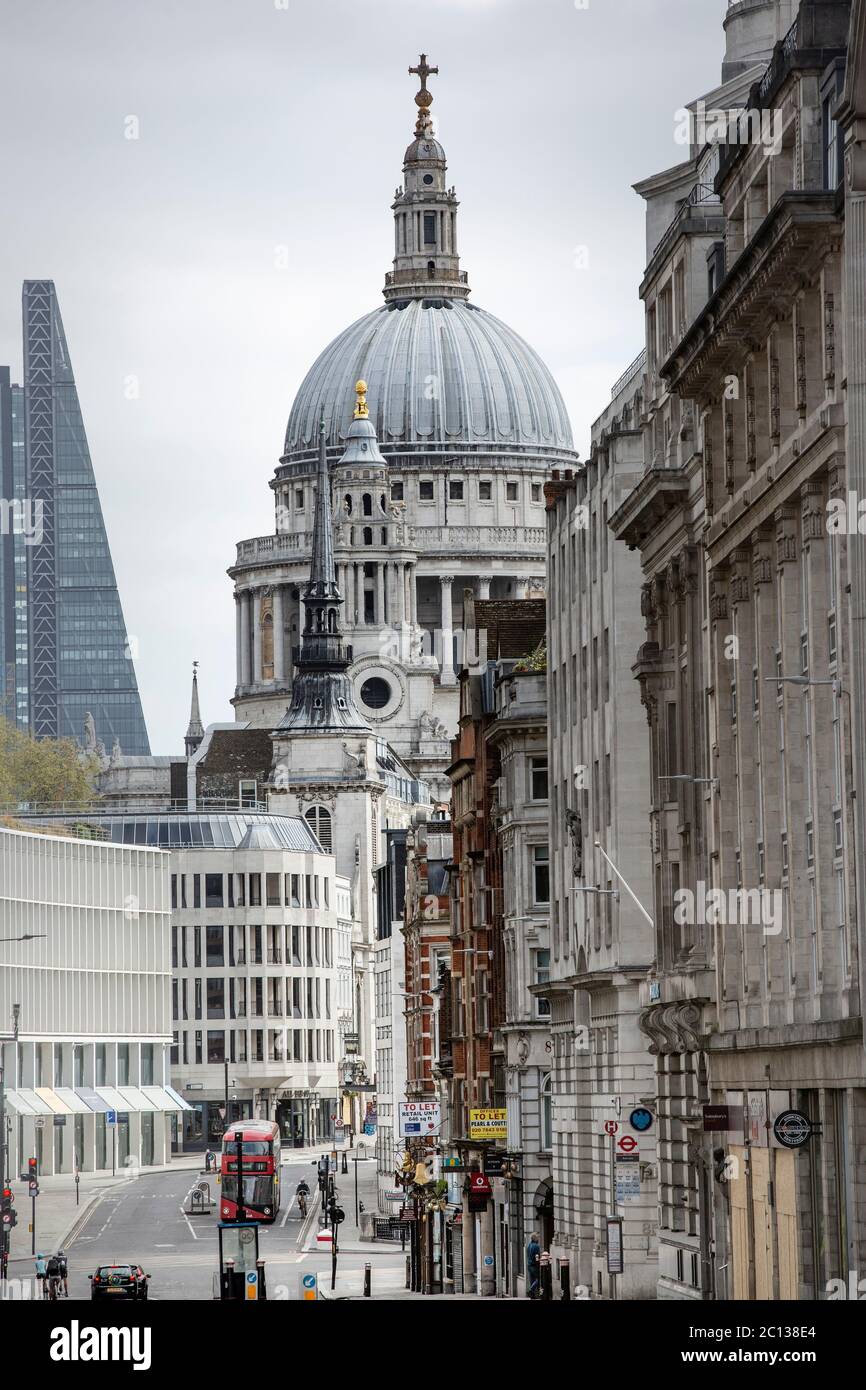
[[322, 693]]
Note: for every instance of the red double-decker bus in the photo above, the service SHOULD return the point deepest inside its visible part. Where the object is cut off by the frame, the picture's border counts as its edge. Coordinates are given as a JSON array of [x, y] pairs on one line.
[[260, 1172]]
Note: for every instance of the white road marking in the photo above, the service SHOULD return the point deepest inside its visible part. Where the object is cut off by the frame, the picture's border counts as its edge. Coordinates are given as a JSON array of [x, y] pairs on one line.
[[288, 1209], [188, 1222]]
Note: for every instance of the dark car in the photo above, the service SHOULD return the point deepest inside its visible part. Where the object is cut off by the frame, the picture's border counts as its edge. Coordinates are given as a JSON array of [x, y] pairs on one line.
[[119, 1281]]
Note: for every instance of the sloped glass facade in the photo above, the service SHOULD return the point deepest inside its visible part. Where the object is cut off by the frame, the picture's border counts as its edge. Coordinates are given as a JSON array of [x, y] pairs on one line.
[[77, 658]]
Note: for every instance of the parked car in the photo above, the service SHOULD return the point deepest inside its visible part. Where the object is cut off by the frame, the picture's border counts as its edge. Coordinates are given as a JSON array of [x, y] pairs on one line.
[[119, 1281]]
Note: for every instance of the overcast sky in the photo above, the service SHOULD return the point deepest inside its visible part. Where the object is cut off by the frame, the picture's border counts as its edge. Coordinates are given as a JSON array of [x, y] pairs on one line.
[[265, 124]]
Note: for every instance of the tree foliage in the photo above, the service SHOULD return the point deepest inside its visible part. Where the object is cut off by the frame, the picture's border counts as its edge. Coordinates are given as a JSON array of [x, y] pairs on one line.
[[43, 772]]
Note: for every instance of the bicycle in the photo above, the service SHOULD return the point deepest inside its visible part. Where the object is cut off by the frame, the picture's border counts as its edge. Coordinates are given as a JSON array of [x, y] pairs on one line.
[[54, 1287], [302, 1204]]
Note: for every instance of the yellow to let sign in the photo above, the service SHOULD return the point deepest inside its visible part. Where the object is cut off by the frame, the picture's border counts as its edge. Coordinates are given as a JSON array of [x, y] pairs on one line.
[[488, 1124]]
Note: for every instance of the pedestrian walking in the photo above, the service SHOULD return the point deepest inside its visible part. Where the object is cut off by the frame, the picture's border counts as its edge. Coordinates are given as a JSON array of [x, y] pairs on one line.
[[533, 1266]]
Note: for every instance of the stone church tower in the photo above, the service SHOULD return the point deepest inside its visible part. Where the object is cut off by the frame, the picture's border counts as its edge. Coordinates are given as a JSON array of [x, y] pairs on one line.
[[438, 468]]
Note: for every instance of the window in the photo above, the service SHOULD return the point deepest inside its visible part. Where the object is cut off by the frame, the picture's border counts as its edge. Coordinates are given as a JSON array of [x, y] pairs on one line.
[[455, 489], [174, 947], [319, 821], [540, 875], [546, 1113], [213, 890], [272, 890], [538, 779], [175, 1053], [396, 492], [485, 491], [196, 890], [247, 792], [541, 976], [299, 497], [216, 1046], [198, 1047], [425, 490], [174, 894], [198, 998], [535, 491], [511, 492], [216, 1000], [255, 890], [214, 951], [196, 950], [429, 229]]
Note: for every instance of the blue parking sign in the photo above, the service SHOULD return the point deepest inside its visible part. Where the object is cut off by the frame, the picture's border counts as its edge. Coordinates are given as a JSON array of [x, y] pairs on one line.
[[111, 1117]]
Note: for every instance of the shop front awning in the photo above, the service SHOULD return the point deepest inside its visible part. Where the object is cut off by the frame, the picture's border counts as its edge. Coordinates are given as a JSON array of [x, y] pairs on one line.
[[136, 1100], [25, 1103], [163, 1099], [180, 1103], [93, 1100], [113, 1099], [75, 1103], [56, 1106]]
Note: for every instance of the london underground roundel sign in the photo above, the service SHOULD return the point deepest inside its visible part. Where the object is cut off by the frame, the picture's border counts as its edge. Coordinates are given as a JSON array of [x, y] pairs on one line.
[[792, 1129]]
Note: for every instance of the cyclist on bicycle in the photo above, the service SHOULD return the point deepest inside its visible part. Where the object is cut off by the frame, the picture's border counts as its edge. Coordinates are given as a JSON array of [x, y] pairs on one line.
[[302, 1192], [53, 1276], [64, 1272]]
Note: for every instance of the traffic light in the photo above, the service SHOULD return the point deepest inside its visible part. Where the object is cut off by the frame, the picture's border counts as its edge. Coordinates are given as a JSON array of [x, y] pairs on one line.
[[8, 1215], [32, 1169]]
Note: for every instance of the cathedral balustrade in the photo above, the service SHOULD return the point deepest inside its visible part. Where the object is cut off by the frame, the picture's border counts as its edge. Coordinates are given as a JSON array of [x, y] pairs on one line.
[[297, 545]]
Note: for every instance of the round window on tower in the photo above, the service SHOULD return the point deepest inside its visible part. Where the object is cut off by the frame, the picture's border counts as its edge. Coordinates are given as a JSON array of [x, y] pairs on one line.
[[428, 178], [375, 693]]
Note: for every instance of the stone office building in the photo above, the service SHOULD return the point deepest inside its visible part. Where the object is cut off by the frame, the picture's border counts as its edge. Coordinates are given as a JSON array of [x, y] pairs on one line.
[[601, 934], [754, 1004]]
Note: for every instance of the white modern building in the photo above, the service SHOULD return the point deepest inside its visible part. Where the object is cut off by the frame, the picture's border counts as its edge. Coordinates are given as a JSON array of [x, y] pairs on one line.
[[91, 990]]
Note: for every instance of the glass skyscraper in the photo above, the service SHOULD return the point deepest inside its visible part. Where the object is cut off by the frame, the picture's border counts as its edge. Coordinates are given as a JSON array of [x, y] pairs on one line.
[[63, 638]]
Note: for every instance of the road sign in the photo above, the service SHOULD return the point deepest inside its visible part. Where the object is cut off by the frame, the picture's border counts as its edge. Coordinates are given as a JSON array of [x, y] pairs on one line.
[[610, 1127], [111, 1117], [251, 1290], [641, 1119], [309, 1288], [34, 1188], [626, 1144], [39, 1122], [338, 1124]]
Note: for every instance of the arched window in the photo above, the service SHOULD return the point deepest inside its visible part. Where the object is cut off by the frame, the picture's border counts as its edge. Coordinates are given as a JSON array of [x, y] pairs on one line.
[[384, 535], [319, 821], [367, 504], [431, 269], [546, 1113], [267, 671], [347, 502], [368, 535]]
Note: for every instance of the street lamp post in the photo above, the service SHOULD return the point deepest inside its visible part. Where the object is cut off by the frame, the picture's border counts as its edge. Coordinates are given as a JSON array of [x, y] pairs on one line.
[[12, 1037]]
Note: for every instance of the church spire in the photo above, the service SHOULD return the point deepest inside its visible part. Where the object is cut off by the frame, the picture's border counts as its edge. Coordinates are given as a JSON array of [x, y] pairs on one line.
[[426, 264], [322, 694], [195, 730]]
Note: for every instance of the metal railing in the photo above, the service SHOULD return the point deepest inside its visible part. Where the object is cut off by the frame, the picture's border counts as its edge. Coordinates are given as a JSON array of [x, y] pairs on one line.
[[631, 371]]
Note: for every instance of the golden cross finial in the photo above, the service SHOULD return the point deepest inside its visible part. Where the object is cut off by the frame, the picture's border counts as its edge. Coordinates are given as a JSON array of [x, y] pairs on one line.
[[361, 411], [423, 71], [424, 98]]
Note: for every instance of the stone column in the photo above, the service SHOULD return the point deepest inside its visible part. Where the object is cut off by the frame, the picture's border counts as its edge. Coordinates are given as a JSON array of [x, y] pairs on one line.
[[239, 638], [468, 1235], [279, 636], [520, 587], [397, 602], [244, 602], [380, 593], [446, 632], [483, 588], [413, 594], [257, 636]]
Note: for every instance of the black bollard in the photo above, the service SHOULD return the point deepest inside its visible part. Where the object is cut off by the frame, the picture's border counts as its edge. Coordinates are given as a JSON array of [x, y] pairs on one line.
[[367, 1281]]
